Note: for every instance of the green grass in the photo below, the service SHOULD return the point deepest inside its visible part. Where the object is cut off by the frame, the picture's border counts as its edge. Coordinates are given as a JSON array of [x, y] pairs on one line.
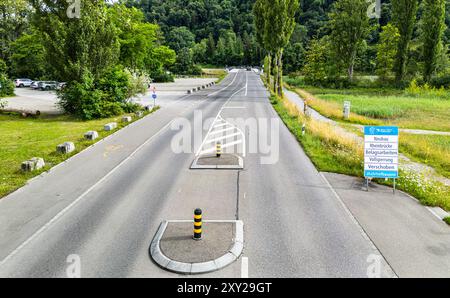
[[447, 220], [390, 107], [432, 150], [334, 154], [24, 138]]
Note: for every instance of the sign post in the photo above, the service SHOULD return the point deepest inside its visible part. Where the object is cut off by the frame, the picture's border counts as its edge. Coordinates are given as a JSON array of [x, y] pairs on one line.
[[381, 153], [154, 96]]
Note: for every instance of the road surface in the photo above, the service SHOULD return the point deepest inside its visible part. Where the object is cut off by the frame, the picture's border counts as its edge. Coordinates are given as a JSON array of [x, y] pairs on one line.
[[105, 204]]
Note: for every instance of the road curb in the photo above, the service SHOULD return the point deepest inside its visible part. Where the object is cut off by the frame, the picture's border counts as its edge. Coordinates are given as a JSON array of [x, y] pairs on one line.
[[239, 166], [197, 268]]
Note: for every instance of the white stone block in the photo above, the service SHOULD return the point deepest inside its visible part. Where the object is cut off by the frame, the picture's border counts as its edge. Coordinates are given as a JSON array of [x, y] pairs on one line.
[[91, 135], [110, 126]]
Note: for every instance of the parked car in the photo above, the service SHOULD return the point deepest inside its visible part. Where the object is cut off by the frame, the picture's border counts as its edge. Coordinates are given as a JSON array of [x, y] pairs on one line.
[[61, 85], [20, 83], [35, 84], [48, 85]]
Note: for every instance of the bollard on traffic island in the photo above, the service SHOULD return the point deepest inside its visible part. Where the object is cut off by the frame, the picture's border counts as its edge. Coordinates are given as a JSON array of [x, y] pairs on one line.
[[198, 224], [218, 149]]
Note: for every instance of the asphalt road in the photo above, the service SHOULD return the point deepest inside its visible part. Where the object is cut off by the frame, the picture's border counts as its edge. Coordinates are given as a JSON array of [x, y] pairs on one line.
[[106, 203]]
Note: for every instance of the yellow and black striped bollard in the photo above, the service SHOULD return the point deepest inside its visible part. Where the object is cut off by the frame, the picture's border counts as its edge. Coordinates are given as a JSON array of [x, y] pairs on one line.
[[218, 149], [198, 224]]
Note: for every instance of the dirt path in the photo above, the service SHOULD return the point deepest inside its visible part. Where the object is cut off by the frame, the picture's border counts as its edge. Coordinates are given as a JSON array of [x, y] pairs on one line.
[[406, 164]]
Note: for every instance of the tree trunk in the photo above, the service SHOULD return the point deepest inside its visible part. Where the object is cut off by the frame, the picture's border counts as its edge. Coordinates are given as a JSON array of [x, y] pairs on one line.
[[275, 73], [280, 73], [269, 69]]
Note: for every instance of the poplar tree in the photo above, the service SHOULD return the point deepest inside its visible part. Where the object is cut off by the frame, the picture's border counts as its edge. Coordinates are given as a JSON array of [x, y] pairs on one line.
[[433, 26], [404, 17]]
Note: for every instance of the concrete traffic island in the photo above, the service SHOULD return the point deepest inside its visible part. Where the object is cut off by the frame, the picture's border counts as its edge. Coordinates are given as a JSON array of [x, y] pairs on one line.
[[174, 249], [225, 162]]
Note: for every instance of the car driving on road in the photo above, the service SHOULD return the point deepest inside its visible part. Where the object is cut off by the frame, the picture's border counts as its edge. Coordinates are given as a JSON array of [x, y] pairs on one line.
[[20, 83]]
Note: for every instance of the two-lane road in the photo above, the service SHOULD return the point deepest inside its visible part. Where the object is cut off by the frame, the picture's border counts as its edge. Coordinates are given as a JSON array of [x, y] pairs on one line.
[[105, 204]]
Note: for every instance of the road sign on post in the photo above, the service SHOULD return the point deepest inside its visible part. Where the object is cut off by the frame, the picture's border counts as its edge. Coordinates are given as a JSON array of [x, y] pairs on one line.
[[154, 96], [381, 152]]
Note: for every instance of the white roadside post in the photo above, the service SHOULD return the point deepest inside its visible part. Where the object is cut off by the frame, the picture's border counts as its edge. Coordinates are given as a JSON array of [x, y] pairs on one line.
[[347, 108], [381, 153]]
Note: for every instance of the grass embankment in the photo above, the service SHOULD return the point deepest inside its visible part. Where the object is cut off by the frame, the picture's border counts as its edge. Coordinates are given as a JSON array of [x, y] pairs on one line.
[[24, 138], [214, 72], [429, 111], [332, 151]]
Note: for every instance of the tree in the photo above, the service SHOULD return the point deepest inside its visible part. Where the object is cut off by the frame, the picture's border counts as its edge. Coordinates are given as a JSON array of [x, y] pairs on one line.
[[75, 47], [180, 38], [349, 25], [387, 50], [404, 17], [433, 26], [28, 58], [14, 16], [275, 22]]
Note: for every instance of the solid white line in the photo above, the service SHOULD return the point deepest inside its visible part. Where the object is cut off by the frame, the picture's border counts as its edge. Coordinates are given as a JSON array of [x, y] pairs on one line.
[[223, 138], [232, 144], [221, 131], [244, 267], [246, 84], [434, 213], [65, 210], [225, 86], [356, 222]]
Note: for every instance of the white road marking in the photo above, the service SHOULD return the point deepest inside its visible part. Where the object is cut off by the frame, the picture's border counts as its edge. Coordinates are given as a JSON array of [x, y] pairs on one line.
[[104, 178], [212, 94], [244, 267], [246, 84]]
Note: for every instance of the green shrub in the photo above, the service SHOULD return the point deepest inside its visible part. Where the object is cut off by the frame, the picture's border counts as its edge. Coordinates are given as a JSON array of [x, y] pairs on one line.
[[162, 77], [107, 97], [7, 87], [447, 220], [441, 82]]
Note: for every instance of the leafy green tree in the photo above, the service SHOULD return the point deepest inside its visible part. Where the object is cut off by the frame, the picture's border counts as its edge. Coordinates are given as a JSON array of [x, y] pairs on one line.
[[28, 58], [433, 26], [387, 51], [180, 38], [14, 16], [279, 24], [349, 26], [320, 64], [404, 18], [75, 47]]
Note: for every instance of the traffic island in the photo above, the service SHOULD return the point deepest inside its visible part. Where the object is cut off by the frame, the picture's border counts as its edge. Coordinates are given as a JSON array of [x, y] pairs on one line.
[[173, 247], [225, 161]]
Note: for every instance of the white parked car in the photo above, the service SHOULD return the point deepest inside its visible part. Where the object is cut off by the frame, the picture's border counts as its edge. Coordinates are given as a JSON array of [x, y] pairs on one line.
[[20, 83], [35, 84]]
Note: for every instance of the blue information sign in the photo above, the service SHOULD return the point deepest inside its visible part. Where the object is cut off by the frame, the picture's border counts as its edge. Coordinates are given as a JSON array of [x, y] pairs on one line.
[[381, 152]]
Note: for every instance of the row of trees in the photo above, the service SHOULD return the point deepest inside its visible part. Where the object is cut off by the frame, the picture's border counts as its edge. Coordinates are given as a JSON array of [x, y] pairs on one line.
[[412, 42], [214, 32], [275, 23]]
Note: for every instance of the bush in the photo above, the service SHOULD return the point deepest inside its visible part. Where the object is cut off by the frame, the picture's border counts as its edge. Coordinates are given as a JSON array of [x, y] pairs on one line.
[[441, 82], [7, 87], [162, 77], [107, 97], [447, 220]]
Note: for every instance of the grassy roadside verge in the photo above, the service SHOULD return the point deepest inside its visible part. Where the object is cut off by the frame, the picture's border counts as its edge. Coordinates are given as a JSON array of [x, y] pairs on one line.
[[383, 107], [215, 72], [331, 151], [433, 150], [24, 138]]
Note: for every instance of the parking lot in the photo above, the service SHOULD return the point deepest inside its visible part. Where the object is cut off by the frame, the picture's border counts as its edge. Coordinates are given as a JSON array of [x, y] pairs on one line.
[[45, 102], [27, 99]]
